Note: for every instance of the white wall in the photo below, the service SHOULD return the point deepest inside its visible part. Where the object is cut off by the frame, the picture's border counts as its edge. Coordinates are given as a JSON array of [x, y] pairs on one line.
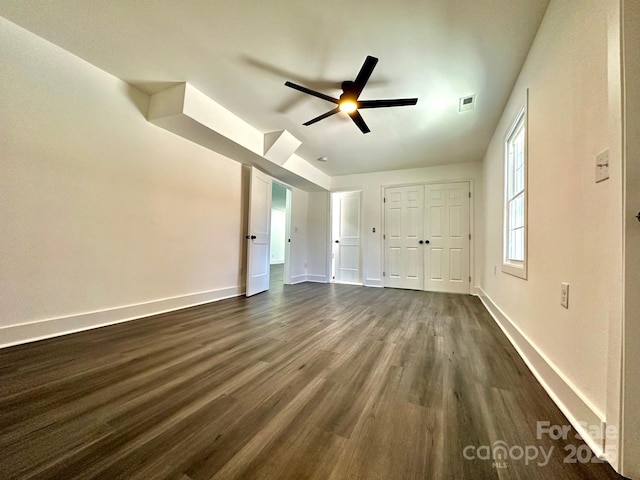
[[299, 237], [574, 224], [104, 216], [372, 185]]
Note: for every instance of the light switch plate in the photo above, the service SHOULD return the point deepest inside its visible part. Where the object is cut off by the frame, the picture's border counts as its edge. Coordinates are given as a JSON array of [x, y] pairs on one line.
[[602, 166]]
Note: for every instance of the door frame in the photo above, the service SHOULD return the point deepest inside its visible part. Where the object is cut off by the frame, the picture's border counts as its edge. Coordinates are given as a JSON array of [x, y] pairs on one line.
[[629, 408], [246, 193], [473, 287], [330, 275], [287, 228]]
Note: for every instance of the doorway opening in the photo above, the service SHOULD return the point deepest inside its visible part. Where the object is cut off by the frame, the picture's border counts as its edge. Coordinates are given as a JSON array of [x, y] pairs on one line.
[[280, 240], [346, 221], [262, 189]]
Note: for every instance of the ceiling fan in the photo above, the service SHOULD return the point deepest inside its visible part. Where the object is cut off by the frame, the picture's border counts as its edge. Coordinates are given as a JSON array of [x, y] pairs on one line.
[[348, 101]]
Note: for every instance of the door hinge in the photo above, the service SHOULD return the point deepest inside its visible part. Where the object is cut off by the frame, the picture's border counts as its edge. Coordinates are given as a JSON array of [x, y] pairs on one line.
[[384, 236], [384, 200], [469, 279], [384, 274], [469, 236], [469, 194]]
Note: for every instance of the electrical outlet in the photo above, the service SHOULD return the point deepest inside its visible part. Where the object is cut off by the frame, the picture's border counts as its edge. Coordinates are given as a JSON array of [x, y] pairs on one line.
[[564, 295]]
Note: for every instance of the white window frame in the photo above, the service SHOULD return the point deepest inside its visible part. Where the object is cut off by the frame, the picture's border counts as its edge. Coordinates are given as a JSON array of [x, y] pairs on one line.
[[517, 268]]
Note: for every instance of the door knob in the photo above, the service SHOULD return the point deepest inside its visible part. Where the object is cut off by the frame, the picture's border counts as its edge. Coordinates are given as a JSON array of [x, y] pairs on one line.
[[247, 237], [337, 241], [420, 242], [426, 241], [638, 216], [253, 237]]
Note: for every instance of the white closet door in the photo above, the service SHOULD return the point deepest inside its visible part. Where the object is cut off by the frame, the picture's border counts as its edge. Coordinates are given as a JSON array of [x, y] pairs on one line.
[[403, 230], [446, 220]]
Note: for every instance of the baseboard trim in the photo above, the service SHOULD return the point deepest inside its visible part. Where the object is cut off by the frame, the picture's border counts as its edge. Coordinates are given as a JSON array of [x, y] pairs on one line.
[[573, 404], [317, 278], [373, 282], [55, 327], [298, 279]]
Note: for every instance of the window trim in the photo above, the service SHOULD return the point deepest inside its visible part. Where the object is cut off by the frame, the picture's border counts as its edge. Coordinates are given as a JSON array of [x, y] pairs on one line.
[[513, 267]]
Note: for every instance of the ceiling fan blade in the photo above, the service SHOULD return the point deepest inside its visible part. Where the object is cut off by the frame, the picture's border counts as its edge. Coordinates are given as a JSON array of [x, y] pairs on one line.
[[398, 102], [364, 74], [322, 117], [308, 91], [359, 121]]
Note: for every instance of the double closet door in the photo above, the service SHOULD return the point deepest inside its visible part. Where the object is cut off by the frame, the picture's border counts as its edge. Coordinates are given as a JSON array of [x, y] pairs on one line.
[[426, 237]]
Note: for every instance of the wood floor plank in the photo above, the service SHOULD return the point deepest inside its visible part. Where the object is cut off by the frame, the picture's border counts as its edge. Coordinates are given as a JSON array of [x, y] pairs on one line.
[[308, 381]]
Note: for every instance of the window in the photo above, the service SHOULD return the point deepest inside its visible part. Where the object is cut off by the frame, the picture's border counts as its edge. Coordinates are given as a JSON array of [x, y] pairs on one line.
[[514, 259]]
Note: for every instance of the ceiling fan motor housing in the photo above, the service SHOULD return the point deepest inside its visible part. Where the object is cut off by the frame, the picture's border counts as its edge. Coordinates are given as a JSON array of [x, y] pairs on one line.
[[349, 87]]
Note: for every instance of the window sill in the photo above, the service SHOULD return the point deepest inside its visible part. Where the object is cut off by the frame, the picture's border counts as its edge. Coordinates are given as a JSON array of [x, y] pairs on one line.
[[516, 269]]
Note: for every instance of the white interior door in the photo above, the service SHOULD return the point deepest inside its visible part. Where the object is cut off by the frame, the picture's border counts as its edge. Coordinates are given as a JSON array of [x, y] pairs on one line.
[[258, 240], [347, 237], [403, 229], [446, 255]]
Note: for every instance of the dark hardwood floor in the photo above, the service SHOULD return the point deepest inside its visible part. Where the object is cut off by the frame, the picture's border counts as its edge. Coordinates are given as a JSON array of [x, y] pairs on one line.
[[307, 381]]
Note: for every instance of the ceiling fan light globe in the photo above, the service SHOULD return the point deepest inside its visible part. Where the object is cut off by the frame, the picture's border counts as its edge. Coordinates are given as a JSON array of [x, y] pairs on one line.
[[348, 106]]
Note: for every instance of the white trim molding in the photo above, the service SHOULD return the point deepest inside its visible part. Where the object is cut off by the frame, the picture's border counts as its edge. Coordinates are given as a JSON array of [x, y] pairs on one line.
[[298, 279], [373, 282], [55, 327], [582, 414], [317, 278]]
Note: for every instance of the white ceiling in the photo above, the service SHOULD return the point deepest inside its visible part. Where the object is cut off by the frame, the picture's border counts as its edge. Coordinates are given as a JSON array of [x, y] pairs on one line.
[[240, 53]]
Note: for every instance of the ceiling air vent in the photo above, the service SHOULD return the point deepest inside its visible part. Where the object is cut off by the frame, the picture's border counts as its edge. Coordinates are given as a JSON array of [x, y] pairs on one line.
[[467, 103]]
